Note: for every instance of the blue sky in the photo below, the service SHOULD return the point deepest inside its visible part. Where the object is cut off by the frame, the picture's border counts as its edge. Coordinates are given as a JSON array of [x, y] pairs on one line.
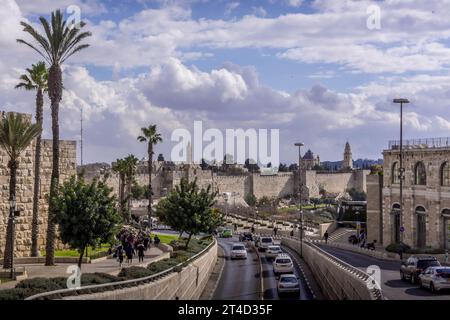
[[312, 69]]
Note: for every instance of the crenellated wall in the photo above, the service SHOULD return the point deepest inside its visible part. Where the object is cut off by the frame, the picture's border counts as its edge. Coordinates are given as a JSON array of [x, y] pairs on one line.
[[24, 192]]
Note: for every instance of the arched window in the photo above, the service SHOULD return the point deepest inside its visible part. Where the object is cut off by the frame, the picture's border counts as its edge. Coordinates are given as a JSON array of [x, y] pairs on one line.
[[396, 222], [395, 173], [420, 175], [445, 174]]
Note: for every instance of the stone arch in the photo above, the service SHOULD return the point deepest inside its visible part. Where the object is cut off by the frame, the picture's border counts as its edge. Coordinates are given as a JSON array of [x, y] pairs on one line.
[[421, 226], [395, 222], [444, 173], [445, 215], [395, 173]]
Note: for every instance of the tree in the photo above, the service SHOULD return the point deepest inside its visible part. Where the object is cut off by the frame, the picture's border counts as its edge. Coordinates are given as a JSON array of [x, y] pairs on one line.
[[60, 42], [137, 192], [188, 209], [120, 168], [86, 214], [130, 172], [293, 167], [251, 199], [283, 168], [36, 79], [251, 165], [16, 134], [160, 157], [357, 195], [151, 137]]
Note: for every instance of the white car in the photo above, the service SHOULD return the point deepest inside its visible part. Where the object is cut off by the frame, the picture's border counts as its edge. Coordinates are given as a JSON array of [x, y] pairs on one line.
[[283, 264], [288, 283], [273, 251], [238, 251], [264, 243], [435, 278]]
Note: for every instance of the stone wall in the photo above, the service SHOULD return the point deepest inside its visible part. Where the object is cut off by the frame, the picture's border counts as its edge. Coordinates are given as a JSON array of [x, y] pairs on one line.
[[25, 187], [335, 182], [185, 285], [374, 204], [277, 186]]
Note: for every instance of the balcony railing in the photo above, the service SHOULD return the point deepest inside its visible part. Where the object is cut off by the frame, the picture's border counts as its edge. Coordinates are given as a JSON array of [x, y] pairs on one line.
[[428, 143]]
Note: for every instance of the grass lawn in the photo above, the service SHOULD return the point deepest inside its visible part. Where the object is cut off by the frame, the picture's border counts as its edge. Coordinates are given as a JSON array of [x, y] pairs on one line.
[[166, 238], [4, 280], [75, 253]]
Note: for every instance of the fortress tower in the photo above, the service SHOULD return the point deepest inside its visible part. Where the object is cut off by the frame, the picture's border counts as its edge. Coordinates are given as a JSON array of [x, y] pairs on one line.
[[348, 161]]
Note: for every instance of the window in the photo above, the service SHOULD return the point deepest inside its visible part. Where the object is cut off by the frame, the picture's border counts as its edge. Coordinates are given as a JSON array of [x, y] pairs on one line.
[[420, 175], [395, 173], [445, 174]]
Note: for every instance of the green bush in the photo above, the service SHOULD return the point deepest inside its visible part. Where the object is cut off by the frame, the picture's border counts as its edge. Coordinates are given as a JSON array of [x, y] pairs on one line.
[[134, 272], [88, 279], [396, 247], [15, 294]]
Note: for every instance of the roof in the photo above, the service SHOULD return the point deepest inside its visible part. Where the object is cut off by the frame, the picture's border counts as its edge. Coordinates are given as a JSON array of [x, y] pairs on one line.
[[309, 155]]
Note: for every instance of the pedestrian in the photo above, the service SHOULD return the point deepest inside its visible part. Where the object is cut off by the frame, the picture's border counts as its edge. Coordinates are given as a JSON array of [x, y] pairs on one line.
[[146, 240], [119, 253], [292, 233], [129, 251], [275, 230], [156, 240], [253, 228], [141, 252], [326, 236]]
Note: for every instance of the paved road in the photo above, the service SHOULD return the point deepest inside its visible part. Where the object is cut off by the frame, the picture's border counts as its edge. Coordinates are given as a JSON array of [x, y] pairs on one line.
[[393, 288], [240, 278]]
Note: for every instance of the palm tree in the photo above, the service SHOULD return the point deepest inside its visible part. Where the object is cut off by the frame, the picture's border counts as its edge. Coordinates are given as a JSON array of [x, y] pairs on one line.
[[36, 79], [151, 137], [16, 134], [126, 169], [120, 168], [60, 42]]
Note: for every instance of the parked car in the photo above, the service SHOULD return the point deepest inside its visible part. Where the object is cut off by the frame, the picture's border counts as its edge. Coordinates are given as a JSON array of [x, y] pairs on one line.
[[238, 251], [283, 264], [227, 233], [415, 265], [246, 236], [288, 283], [435, 278], [264, 243], [273, 251]]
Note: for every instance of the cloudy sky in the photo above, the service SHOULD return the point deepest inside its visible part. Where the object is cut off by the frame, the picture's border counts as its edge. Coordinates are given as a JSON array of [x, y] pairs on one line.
[[313, 69]]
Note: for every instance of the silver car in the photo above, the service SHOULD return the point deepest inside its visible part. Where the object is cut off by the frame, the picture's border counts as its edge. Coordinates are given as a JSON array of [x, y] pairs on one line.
[[435, 278], [288, 283], [273, 251]]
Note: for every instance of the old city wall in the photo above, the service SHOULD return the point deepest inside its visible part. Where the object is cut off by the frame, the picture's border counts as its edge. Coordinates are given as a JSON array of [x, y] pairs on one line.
[[24, 192], [277, 186], [335, 182]]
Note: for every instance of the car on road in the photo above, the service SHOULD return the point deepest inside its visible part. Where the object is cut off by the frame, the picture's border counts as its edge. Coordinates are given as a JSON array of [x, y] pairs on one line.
[[415, 265], [283, 264], [435, 278], [264, 243], [226, 233], [238, 251], [288, 283], [273, 251], [246, 236]]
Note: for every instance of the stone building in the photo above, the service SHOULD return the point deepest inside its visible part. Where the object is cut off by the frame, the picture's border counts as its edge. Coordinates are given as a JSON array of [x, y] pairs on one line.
[[25, 186], [309, 161], [426, 195]]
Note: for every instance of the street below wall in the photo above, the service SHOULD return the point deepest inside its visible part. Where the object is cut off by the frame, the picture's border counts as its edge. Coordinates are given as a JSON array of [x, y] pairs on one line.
[[240, 279], [393, 288]]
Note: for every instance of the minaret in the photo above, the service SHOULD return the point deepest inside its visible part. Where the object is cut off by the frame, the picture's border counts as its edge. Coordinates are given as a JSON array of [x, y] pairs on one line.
[[348, 162]]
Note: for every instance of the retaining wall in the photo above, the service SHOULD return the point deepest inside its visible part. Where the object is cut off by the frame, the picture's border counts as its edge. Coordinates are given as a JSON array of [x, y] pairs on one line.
[[188, 284], [336, 281]]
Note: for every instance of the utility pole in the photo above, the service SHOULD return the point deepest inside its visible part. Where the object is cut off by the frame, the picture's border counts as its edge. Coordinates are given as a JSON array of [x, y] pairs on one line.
[[401, 101]]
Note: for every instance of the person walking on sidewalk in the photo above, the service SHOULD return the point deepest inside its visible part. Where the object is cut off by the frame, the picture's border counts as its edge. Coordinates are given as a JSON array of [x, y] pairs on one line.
[[141, 252], [119, 253], [326, 236], [129, 251]]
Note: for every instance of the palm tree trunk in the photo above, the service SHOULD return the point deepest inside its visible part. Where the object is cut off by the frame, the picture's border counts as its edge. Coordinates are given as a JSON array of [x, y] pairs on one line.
[[37, 177], [55, 94], [150, 190], [12, 164]]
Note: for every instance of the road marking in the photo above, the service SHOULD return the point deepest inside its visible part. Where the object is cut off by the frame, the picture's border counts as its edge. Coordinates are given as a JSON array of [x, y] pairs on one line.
[[220, 272], [302, 271]]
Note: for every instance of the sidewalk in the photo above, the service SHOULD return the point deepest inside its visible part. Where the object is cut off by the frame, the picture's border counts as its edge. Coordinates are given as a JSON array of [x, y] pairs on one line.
[[110, 266]]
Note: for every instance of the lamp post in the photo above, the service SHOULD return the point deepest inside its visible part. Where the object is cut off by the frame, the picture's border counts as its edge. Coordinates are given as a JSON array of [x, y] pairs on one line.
[[300, 189], [12, 215], [401, 101]]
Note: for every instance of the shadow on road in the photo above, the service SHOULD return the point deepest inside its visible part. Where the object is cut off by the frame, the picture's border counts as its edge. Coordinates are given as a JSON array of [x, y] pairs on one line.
[[397, 284]]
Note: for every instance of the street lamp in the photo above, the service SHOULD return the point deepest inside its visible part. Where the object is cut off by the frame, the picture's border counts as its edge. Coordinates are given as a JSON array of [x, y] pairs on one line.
[[401, 101], [300, 189]]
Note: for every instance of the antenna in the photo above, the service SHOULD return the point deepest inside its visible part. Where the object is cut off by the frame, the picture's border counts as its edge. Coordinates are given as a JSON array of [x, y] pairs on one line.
[[81, 134]]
